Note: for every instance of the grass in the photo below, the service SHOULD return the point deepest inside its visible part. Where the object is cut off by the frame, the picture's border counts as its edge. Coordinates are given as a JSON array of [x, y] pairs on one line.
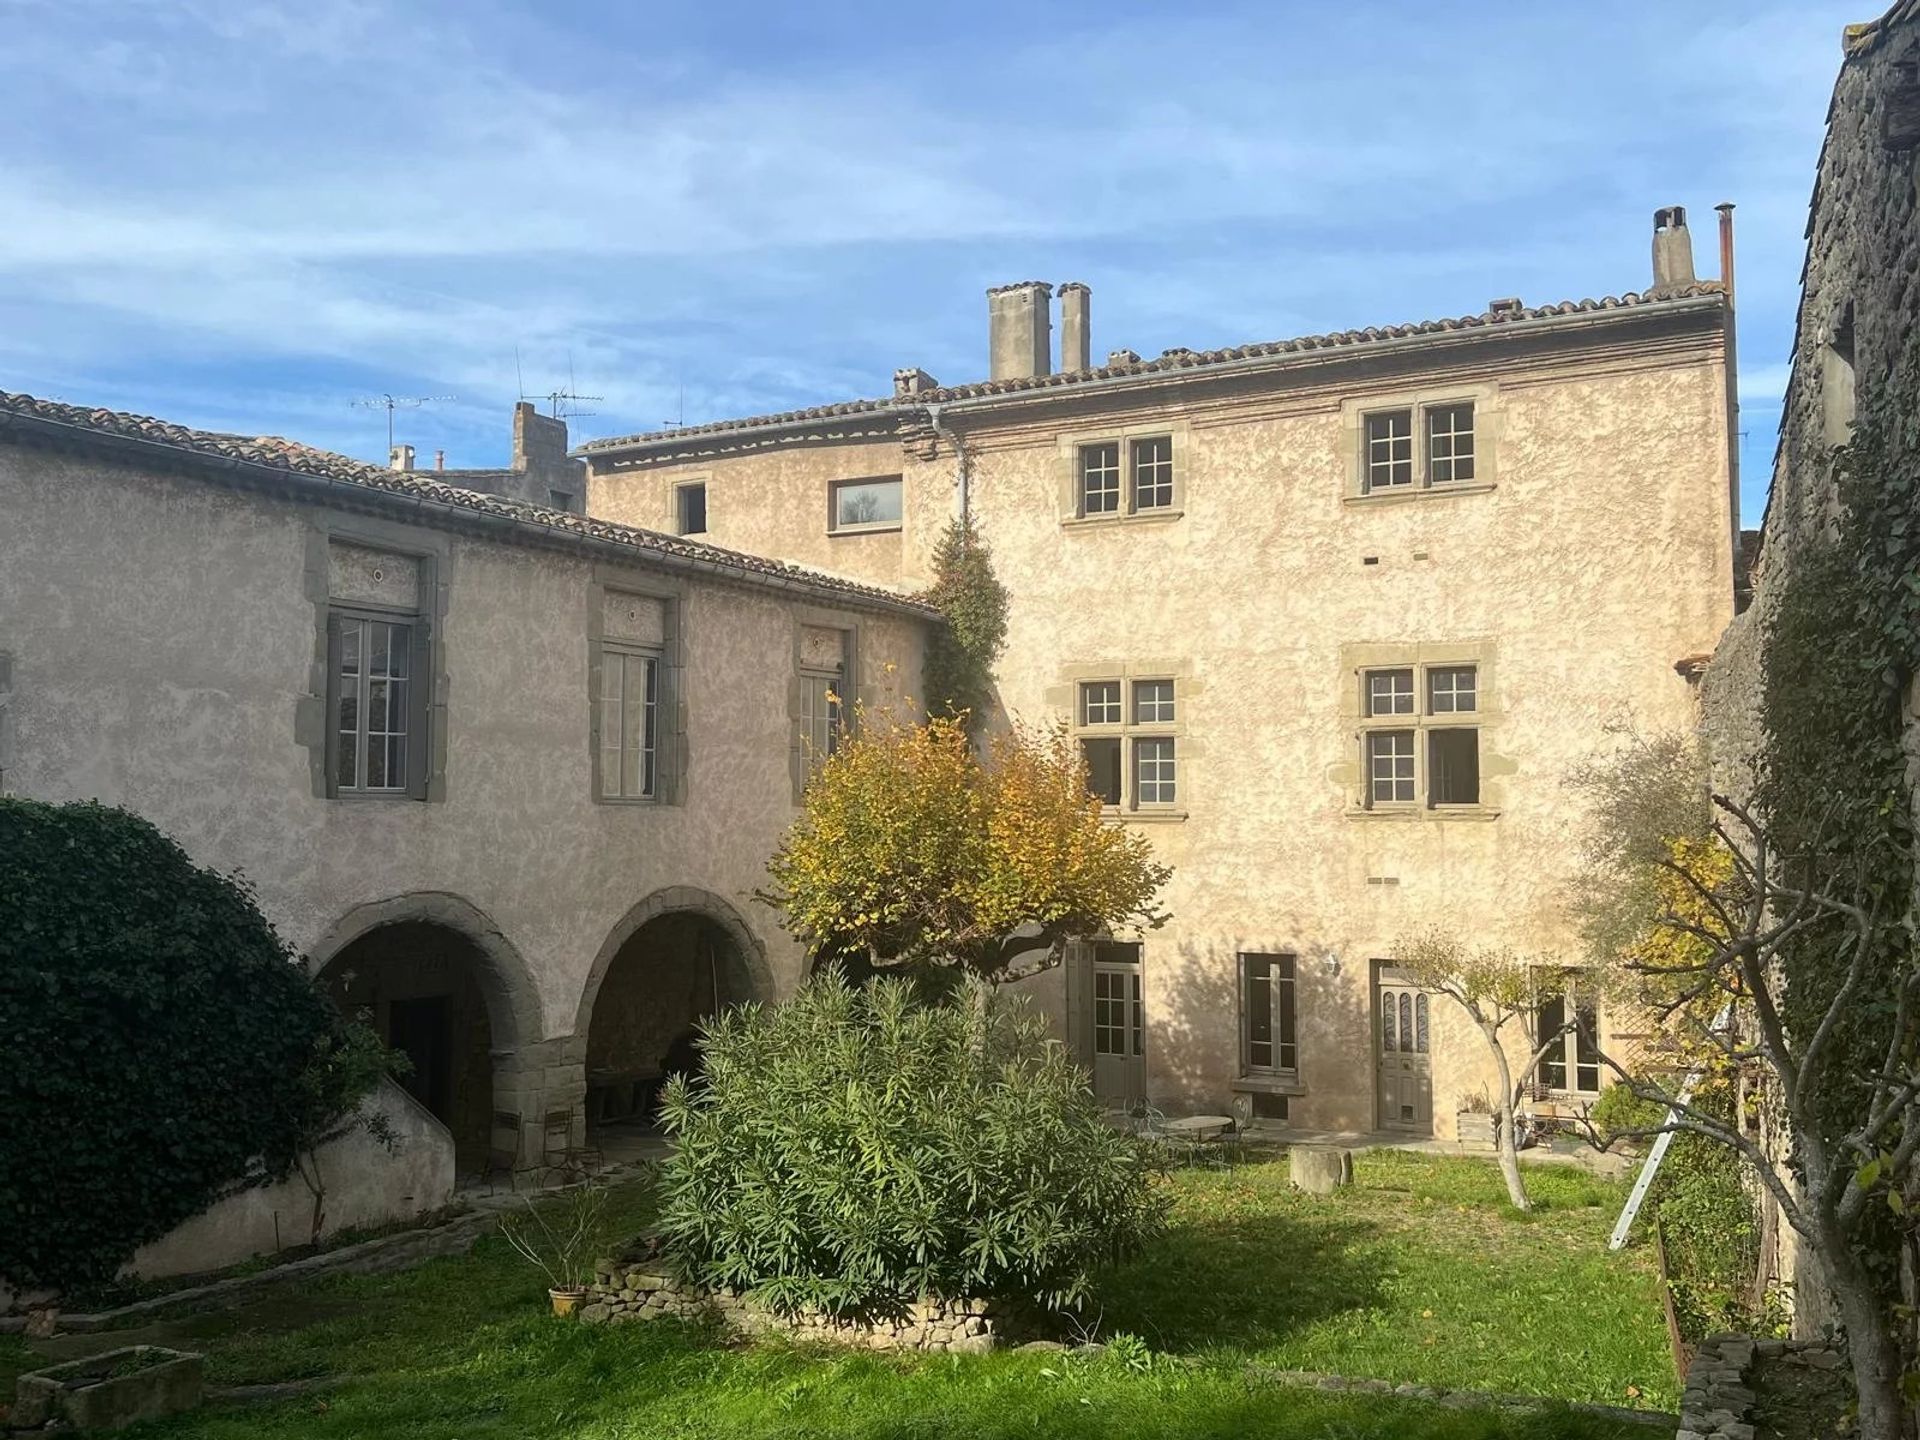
[[1419, 1273]]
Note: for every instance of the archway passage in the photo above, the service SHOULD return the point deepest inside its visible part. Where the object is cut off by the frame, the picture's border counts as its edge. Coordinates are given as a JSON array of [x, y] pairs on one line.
[[418, 985], [675, 971]]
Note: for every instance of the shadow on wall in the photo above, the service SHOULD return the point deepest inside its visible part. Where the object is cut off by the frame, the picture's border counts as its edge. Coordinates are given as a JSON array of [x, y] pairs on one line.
[[1195, 1032]]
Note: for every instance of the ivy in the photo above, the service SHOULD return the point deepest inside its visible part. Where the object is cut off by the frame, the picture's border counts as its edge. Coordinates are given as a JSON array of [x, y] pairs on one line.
[[961, 654], [159, 1043]]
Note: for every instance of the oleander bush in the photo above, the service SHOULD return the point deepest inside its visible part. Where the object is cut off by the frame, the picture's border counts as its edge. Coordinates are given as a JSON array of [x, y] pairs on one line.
[[854, 1149]]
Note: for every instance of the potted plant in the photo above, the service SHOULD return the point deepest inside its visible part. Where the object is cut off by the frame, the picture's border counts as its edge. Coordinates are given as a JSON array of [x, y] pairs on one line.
[[1474, 1122], [561, 1238]]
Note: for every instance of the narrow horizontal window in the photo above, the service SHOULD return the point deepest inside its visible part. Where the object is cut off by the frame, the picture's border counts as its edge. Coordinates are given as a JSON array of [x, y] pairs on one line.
[[866, 504]]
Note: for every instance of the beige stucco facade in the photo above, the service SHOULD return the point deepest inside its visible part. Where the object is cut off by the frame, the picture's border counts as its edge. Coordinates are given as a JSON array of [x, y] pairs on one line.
[[164, 623], [1591, 551]]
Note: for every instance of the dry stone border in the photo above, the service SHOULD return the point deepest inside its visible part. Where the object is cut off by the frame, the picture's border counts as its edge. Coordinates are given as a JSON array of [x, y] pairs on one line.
[[1454, 1399], [1717, 1403], [626, 1291]]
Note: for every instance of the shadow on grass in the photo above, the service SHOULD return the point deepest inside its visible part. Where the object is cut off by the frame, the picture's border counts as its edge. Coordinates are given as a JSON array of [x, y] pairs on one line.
[[1242, 1282]]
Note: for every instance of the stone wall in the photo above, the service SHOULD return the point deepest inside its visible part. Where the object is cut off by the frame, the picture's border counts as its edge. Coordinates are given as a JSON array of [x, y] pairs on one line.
[[626, 1291], [1860, 300], [1717, 1403]]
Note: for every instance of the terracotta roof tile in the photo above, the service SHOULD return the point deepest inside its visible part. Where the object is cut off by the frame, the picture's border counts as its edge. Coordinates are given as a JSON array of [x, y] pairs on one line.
[[274, 452], [1172, 360]]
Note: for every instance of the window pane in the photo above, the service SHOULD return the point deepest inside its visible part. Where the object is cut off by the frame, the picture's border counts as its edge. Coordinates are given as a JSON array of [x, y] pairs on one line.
[[1153, 702], [1451, 690], [1256, 1005], [866, 502], [1153, 780], [1100, 479], [692, 516], [1389, 450], [1453, 767], [1100, 703], [1586, 1048], [1449, 443], [649, 733], [1390, 692], [634, 758], [1103, 769], [1551, 1015], [1390, 766], [1285, 1021], [1153, 473], [1406, 1021]]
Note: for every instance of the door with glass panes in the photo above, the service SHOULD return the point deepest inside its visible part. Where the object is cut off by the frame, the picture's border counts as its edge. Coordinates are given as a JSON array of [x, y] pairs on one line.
[[1401, 1051], [1119, 1025]]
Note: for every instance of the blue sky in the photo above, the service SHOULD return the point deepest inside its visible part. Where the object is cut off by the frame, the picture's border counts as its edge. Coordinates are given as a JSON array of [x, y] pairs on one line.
[[244, 215]]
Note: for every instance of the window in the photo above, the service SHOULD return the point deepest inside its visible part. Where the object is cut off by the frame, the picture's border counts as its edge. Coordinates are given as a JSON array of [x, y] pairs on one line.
[[1152, 473], [1408, 747], [1100, 478], [820, 715], [690, 508], [1128, 764], [1388, 461], [370, 698], [559, 500], [1269, 1043], [629, 724], [1118, 1016], [1576, 1055], [866, 504]]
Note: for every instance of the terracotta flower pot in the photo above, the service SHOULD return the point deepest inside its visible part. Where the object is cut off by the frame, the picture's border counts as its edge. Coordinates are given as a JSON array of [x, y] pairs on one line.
[[565, 1302]]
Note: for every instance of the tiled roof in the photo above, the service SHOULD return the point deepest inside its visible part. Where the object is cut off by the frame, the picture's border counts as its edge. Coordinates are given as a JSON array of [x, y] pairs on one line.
[[1171, 361], [271, 452]]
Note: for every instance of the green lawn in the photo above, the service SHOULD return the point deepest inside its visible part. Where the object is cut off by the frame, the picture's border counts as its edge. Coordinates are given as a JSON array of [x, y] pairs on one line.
[[1419, 1273]]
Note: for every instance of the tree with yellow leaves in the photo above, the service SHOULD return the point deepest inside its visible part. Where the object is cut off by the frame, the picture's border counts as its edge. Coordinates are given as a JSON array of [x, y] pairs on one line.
[[914, 849]]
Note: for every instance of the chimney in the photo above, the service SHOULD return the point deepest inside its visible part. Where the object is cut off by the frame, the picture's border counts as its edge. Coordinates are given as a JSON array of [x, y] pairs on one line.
[[1020, 330], [913, 381], [1505, 308], [439, 459], [1672, 251], [400, 458], [1076, 340], [1123, 357]]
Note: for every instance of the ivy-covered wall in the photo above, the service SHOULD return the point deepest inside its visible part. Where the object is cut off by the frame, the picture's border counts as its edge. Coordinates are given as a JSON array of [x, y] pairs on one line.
[[1809, 705]]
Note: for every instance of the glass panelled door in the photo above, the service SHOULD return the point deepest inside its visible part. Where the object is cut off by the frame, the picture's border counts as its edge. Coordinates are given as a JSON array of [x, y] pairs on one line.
[[1402, 1046], [1119, 1025]]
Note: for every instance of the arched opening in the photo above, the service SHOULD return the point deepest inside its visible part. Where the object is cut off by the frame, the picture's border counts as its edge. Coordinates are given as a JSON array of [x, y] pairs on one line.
[[420, 986], [674, 970]]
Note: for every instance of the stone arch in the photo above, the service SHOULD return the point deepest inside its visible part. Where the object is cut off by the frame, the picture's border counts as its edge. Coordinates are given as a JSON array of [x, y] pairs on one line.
[[513, 1000], [678, 957], [443, 985], [672, 899]]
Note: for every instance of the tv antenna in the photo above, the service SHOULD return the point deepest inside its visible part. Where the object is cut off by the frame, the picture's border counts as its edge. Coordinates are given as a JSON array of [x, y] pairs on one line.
[[680, 417], [564, 402], [391, 403]]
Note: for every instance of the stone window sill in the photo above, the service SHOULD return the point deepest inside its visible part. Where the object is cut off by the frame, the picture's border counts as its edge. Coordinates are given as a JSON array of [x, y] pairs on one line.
[[1140, 517], [835, 531], [1143, 817], [1268, 1085], [1429, 492], [1423, 812]]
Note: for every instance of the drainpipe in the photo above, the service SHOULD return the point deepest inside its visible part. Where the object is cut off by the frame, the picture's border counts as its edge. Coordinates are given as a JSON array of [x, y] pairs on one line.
[[962, 501]]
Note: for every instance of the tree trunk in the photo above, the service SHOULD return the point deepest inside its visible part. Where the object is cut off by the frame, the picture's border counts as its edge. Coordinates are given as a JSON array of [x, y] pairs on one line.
[[1503, 1115], [1870, 1344]]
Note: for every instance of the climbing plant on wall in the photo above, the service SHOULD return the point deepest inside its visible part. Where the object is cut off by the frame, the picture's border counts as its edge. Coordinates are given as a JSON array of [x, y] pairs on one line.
[[961, 654]]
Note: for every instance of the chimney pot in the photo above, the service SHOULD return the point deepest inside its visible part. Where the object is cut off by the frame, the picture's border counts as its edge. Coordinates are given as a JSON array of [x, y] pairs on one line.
[[1505, 306], [913, 381], [1076, 335], [1123, 357], [1020, 330], [439, 459], [1672, 251], [400, 457]]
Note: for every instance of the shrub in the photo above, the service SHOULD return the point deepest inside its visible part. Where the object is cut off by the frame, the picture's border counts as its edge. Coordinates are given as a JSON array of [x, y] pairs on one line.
[[962, 652], [157, 1041], [852, 1151], [1619, 1111]]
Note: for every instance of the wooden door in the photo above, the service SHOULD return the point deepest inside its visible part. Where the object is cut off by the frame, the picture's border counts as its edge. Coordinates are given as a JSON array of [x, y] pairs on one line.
[[1119, 1026], [1402, 1052]]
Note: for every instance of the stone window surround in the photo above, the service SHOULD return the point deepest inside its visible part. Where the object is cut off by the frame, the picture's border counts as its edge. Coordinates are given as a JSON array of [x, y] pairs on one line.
[[704, 480], [1065, 695], [1571, 980], [1067, 472], [1488, 423], [312, 724], [876, 527], [1275, 1079], [670, 707], [1351, 774], [804, 618]]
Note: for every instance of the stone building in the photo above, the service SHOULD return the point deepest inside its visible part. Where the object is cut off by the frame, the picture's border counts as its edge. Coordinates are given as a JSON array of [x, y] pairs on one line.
[[507, 775], [1859, 309], [1331, 618]]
